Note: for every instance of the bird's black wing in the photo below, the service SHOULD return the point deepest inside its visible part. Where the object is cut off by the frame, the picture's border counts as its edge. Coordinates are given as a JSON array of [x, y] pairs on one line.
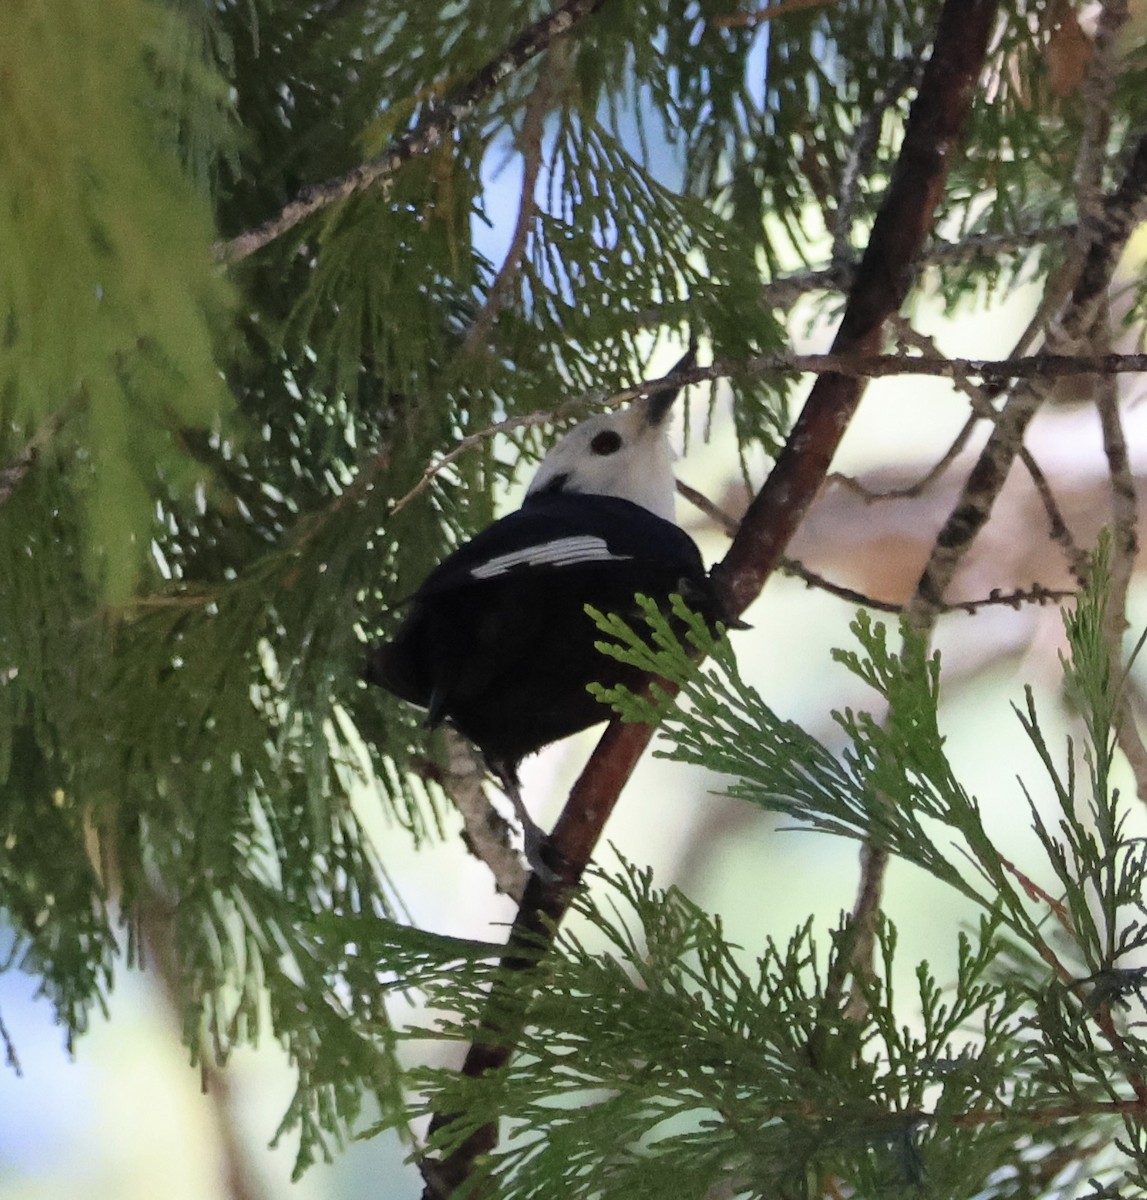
[[553, 532], [497, 640]]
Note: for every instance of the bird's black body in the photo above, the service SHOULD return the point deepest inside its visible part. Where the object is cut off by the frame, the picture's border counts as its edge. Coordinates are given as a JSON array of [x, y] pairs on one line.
[[497, 641]]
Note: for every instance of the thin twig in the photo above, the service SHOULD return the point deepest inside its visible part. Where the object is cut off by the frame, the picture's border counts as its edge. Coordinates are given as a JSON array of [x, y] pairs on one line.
[[865, 139], [1125, 551], [1036, 594], [982, 409], [713, 511], [484, 830], [840, 364], [529, 142], [923, 483], [438, 121], [784, 291]]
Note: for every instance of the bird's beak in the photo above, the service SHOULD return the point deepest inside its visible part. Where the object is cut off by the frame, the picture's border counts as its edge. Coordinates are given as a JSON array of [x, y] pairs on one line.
[[657, 404]]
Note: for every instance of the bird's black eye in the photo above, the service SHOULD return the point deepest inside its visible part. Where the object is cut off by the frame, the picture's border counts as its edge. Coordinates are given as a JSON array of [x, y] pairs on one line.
[[606, 442]]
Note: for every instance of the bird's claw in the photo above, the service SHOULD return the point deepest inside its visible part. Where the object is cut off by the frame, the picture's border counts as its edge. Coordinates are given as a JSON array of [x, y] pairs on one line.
[[535, 843]]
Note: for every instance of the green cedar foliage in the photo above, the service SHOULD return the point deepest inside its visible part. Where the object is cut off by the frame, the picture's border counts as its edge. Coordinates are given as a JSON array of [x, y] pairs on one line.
[[1035, 1043], [107, 287], [199, 470]]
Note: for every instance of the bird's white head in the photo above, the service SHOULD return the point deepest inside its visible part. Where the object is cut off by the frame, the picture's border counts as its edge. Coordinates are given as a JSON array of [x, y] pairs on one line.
[[624, 454]]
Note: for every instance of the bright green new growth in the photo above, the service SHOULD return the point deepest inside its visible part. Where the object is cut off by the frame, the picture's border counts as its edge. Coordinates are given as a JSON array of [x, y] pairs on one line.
[[107, 290]]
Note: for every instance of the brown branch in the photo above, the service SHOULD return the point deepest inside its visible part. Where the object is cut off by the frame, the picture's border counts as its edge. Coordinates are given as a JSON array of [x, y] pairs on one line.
[[1125, 551], [872, 366], [437, 122], [484, 830], [935, 126], [1036, 594]]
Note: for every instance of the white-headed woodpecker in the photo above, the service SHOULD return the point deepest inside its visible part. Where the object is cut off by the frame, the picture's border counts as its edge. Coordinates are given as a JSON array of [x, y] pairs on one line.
[[497, 641]]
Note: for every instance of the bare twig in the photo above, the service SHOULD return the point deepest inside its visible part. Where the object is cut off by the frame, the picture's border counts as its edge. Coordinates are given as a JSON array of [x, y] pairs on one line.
[[787, 289], [714, 512], [438, 121], [1036, 594], [1125, 552], [1057, 527], [982, 408], [925, 481], [863, 145], [530, 147], [841, 364]]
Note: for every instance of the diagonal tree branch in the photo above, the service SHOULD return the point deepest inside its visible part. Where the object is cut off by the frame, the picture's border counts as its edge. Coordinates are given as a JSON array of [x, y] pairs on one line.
[[1111, 228], [982, 409], [437, 123], [931, 140], [1101, 238]]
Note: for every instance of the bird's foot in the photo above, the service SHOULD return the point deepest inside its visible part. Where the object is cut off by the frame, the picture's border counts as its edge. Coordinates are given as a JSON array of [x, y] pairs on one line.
[[536, 846]]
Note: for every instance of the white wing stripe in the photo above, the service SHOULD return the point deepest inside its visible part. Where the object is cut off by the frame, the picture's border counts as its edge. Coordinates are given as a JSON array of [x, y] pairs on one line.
[[564, 552]]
